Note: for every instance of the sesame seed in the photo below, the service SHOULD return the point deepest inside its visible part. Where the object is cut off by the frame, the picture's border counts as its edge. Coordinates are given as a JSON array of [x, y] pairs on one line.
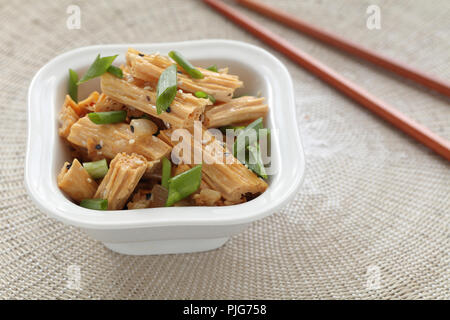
[[132, 129], [148, 98], [148, 196], [89, 180], [98, 147], [131, 141], [147, 88], [68, 166], [140, 54], [168, 110]]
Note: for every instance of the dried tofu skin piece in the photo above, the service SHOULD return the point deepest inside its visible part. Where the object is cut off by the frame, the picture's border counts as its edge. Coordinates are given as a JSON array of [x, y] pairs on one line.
[[220, 170], [67, 116], [105, 104], [88, 104], [149, 68], [185, 108], [123, 175], [116, 138], [72, 111], [241, 109], [76, 182]]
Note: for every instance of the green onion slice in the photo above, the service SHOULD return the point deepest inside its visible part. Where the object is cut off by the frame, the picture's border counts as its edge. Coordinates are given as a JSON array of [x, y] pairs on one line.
[[204, 95], [95, 204], [99, 67], [166, 169], [96, 169], [201, 94], [108, 117], [213, 68], [184, 184], [210, 97], [73, 86], [255, 125], [166, 90], [115, 71], [255, 162], [185, 64]]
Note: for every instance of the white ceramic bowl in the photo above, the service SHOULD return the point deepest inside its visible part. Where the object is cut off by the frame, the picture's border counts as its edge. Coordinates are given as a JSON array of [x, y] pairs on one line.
[[163, 230]]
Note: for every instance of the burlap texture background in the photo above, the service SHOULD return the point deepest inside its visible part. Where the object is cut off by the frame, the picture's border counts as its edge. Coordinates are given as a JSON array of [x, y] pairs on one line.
[[373, 201]]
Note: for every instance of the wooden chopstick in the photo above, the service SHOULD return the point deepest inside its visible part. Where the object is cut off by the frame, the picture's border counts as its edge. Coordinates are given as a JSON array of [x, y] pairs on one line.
[[348, 46], [384, 110]]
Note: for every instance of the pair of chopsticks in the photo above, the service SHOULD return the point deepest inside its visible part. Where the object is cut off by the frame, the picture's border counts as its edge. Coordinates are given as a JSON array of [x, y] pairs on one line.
[[355, 92]]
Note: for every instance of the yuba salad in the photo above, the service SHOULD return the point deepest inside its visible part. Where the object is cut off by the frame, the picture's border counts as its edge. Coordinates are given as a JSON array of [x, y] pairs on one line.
[[162, 133]]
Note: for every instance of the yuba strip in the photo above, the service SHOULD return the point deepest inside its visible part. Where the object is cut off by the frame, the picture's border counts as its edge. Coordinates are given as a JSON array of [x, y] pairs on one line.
[[149, 68], [67, 116], [74, 180], [116, 138], [228, 176], [124, 173], [184, 109], [238, 110]]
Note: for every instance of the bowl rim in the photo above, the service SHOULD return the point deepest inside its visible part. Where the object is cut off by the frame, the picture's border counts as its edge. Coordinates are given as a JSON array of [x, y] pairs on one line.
[[42, 192]]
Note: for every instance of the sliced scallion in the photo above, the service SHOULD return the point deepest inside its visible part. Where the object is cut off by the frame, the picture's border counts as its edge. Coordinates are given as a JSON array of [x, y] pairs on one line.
[[166, 169], [73, 86], [115, 71], [255, 162], [95, 204], [186, 65], [99, 67], [108, 117], [201, 94], [255, 125], [204, 95], [96, 169], [184, 184], [166, 90], [210, 97], [212, 68]]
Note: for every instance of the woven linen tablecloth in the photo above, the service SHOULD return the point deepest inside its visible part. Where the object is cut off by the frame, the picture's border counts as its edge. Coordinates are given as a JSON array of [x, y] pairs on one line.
[[370, 221]]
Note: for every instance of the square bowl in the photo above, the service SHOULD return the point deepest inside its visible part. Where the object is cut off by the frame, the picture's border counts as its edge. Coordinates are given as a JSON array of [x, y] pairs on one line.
[[174, 229]]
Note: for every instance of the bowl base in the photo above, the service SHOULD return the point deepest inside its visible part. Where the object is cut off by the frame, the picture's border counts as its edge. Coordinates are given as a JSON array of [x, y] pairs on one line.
[[166, 246]]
